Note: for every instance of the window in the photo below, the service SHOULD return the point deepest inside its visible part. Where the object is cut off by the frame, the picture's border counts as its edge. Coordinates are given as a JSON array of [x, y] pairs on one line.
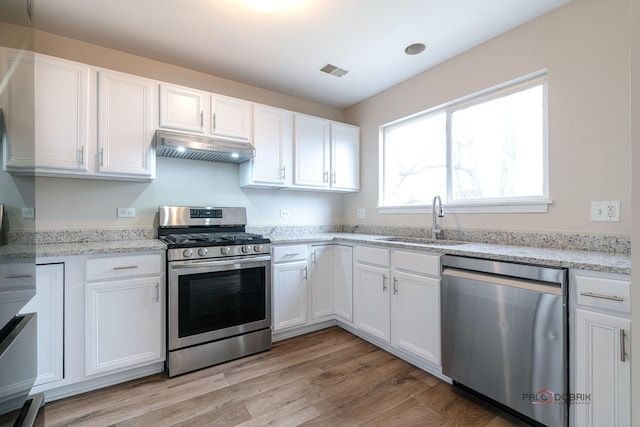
[[486, 153]]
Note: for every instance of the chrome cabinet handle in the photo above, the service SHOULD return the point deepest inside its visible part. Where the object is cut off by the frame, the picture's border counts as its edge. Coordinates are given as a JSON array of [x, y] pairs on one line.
[[101, 157], [395, 286], [333, 178], [126, 267], [18, 276], [601, 296], [82, 155], [313, 257], [201, 119], [305, 273], [283, 174], [157, 297], [213, 118], [384, 283], [623, 350], [325, 177]]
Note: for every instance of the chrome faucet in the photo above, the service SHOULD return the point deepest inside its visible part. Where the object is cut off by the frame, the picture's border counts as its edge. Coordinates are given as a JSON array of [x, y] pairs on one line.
[[436, 231]]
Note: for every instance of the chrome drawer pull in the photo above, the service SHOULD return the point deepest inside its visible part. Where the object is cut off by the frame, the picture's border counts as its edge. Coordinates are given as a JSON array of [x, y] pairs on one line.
[[292, 254], [609, 297], [19, 276], [126, 267]]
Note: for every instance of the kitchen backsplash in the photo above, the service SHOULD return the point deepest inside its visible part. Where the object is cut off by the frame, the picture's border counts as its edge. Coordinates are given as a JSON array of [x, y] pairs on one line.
[[573, 241]]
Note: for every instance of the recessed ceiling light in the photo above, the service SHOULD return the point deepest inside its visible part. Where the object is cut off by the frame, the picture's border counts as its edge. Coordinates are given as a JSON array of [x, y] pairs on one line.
[[414, 49], [268, 6]]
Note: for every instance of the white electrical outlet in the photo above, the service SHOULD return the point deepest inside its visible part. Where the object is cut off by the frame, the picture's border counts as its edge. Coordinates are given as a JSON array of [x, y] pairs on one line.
[[285, 213], [126, 213], [605, 211], [27, 213], [361, 213]]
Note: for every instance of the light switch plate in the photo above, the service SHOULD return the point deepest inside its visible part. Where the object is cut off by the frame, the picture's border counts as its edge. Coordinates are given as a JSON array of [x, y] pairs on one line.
[[608, 211], [28, 213], [361, 213]]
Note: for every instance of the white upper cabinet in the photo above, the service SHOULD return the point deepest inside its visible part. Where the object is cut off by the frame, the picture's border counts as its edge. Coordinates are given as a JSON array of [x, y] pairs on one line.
[[125, 125], [326, 155], [71, 120], [182, 108], [273, 139], [192, 110], [47, 103], [230, 117], [345, 157], [311, 152]]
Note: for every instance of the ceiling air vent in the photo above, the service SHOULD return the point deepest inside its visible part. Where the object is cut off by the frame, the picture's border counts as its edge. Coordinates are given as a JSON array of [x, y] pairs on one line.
[[333, 70]]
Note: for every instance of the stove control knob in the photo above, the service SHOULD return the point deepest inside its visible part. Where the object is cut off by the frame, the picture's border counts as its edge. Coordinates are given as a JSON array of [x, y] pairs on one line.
[[226, 250], [187, 253], [245, 249], [257, 248], [202, 251]]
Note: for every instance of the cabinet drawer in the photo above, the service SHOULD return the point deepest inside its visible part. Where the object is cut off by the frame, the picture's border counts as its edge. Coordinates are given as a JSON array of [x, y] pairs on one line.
[[417, 263], [374, 256], [289, 253], [603, 293], [122, 266]]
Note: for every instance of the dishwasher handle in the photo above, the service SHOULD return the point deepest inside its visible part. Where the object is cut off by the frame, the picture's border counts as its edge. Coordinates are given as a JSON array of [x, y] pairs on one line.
[[527, 284]]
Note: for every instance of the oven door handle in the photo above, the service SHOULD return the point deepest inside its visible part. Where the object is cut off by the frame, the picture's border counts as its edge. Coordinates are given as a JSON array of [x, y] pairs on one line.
[[206, 263]]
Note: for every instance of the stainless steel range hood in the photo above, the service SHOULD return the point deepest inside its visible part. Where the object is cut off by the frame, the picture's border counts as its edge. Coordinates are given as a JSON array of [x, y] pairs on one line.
[[199, 147]]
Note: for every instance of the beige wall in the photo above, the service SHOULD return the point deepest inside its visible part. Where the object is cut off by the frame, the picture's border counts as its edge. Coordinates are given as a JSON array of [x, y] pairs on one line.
[[584, 46]]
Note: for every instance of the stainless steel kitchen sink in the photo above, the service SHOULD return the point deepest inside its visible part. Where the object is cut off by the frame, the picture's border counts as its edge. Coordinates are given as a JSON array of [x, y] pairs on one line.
[[421, 241]]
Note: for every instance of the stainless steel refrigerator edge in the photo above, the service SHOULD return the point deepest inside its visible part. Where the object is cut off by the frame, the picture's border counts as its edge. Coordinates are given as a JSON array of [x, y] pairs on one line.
[[504, 334]]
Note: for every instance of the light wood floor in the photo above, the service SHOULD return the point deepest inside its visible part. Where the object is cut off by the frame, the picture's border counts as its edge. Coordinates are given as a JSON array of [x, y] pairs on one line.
[[327, 378]]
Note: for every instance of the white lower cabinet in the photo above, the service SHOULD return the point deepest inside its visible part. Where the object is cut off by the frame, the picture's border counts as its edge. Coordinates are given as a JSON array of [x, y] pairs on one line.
[[124, 313], [48, 304], [602, 343], [415, 314], [397, 299], [311, 284]]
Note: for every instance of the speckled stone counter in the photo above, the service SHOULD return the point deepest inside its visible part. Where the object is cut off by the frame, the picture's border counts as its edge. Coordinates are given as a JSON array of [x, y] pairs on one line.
[[61, 243], [610, 262], [49, 250]]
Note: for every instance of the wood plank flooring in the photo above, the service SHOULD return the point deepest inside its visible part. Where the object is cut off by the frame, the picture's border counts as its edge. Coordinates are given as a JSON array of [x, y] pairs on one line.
[[327, 378]]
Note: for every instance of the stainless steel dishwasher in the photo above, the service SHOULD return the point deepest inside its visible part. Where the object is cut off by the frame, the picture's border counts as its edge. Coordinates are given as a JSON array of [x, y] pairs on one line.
[[504, 334]]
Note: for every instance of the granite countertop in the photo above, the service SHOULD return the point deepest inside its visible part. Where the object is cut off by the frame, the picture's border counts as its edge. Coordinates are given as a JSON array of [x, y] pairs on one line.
[[609, 262], [49, 250]]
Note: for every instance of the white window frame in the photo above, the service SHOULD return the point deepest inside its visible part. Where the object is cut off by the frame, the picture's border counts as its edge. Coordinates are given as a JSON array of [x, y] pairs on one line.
[[498, 205]]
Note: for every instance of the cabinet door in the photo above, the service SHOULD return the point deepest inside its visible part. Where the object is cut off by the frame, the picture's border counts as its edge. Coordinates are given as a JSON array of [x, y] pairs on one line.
[[48, 304], [345, 157], [230, 117], [124, 324], [322, 281], [273, 139], [343, 282], [311, 152], [61, 114], [372, 300], [289, 295], [125, 125], [182, 108], [415, 315], [603, 369]]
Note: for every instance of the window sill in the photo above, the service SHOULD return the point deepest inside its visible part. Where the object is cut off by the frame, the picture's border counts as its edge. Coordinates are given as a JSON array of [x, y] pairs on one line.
[[523, 206]]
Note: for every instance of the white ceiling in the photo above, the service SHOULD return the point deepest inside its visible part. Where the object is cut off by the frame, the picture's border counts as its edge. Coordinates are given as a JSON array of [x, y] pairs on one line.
[[283, 51]]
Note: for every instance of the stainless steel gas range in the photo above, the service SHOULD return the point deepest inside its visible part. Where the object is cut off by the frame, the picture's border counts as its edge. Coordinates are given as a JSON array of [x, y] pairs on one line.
[[218, 287]]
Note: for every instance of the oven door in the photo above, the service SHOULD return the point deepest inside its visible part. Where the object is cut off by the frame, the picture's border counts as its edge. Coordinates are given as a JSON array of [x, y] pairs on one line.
[[214, 299]]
